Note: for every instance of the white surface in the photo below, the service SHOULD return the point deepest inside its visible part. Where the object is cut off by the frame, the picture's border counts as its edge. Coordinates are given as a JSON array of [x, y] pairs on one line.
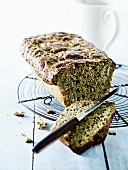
[[114, 147], [19, 19]]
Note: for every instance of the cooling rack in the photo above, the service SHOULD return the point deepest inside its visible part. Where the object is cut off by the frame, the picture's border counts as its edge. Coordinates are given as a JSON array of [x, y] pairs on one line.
[[34, 96]]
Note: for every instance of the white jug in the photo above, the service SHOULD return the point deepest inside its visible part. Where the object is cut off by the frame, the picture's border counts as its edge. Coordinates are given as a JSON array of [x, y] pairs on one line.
[[95, 21]]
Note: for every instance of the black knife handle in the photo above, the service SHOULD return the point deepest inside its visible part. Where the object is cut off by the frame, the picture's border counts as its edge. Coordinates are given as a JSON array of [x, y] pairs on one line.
[[56, 134]]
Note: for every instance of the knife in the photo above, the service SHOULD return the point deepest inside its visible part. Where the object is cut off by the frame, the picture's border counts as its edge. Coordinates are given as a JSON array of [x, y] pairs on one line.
[[69, 124]]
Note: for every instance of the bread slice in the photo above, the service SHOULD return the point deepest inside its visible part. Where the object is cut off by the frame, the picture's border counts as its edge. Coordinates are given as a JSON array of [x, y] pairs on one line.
[[92, 130], [70, 67]]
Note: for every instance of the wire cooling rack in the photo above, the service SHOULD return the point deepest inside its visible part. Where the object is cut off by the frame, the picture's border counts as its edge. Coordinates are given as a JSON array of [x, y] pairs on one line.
[[34, 96]]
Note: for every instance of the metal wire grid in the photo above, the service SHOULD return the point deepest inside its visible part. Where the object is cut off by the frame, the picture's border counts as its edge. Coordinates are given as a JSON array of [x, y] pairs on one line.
[[43, 100]]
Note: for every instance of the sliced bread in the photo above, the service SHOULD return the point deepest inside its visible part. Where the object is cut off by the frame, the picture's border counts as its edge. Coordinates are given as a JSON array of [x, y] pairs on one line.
[[92, 130]]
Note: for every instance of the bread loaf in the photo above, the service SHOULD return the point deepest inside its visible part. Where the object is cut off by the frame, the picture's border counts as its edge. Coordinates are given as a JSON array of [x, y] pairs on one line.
[[71, 68], [92, 130]]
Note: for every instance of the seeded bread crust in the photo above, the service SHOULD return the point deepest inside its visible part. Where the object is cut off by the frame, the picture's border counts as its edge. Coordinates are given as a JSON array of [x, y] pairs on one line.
[[91, 131], [55, 57], [53, 52]]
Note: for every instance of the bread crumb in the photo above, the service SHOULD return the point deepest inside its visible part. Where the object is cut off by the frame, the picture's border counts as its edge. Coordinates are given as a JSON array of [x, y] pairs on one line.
[[19, 114], [50, 111], [23, 134], [28, 140], [41, 125], [112, 133]]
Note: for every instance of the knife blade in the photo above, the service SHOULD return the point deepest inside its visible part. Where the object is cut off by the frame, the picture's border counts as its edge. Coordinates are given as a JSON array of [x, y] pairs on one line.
[[70, 124]]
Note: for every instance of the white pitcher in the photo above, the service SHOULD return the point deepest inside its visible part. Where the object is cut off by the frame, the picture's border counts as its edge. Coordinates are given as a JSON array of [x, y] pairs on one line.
[[96, 22]]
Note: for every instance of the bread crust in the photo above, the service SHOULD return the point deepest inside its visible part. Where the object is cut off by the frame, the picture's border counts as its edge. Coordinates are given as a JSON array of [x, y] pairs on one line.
[[54, 91], [50, 53]]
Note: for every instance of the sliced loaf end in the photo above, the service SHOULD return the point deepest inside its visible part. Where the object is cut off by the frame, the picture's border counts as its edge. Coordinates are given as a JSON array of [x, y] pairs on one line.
[[91, 131]]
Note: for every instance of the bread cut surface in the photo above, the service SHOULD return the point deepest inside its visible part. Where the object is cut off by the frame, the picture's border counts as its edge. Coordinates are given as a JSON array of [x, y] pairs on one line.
[[70, 67], [92, 130]]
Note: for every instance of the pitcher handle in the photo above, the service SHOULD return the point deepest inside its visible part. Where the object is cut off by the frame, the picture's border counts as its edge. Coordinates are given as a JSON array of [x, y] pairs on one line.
[[116, 29]]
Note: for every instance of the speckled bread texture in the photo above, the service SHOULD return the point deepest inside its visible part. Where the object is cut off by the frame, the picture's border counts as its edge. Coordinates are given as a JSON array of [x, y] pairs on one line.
[[71, 68], [92, 130]]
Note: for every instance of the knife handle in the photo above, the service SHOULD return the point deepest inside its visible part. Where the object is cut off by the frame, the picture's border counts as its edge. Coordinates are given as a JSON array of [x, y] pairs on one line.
[[56, 134]]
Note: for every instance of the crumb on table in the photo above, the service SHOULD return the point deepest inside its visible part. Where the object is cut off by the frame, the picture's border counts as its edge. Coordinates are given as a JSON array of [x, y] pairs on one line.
[[41, 125], [23, 134], [111, 133], [28, 140], [50, 111], [19, 114]]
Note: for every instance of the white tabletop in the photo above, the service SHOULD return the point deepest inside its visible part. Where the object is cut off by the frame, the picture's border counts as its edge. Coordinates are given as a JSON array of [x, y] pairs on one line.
[[19, 19]]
